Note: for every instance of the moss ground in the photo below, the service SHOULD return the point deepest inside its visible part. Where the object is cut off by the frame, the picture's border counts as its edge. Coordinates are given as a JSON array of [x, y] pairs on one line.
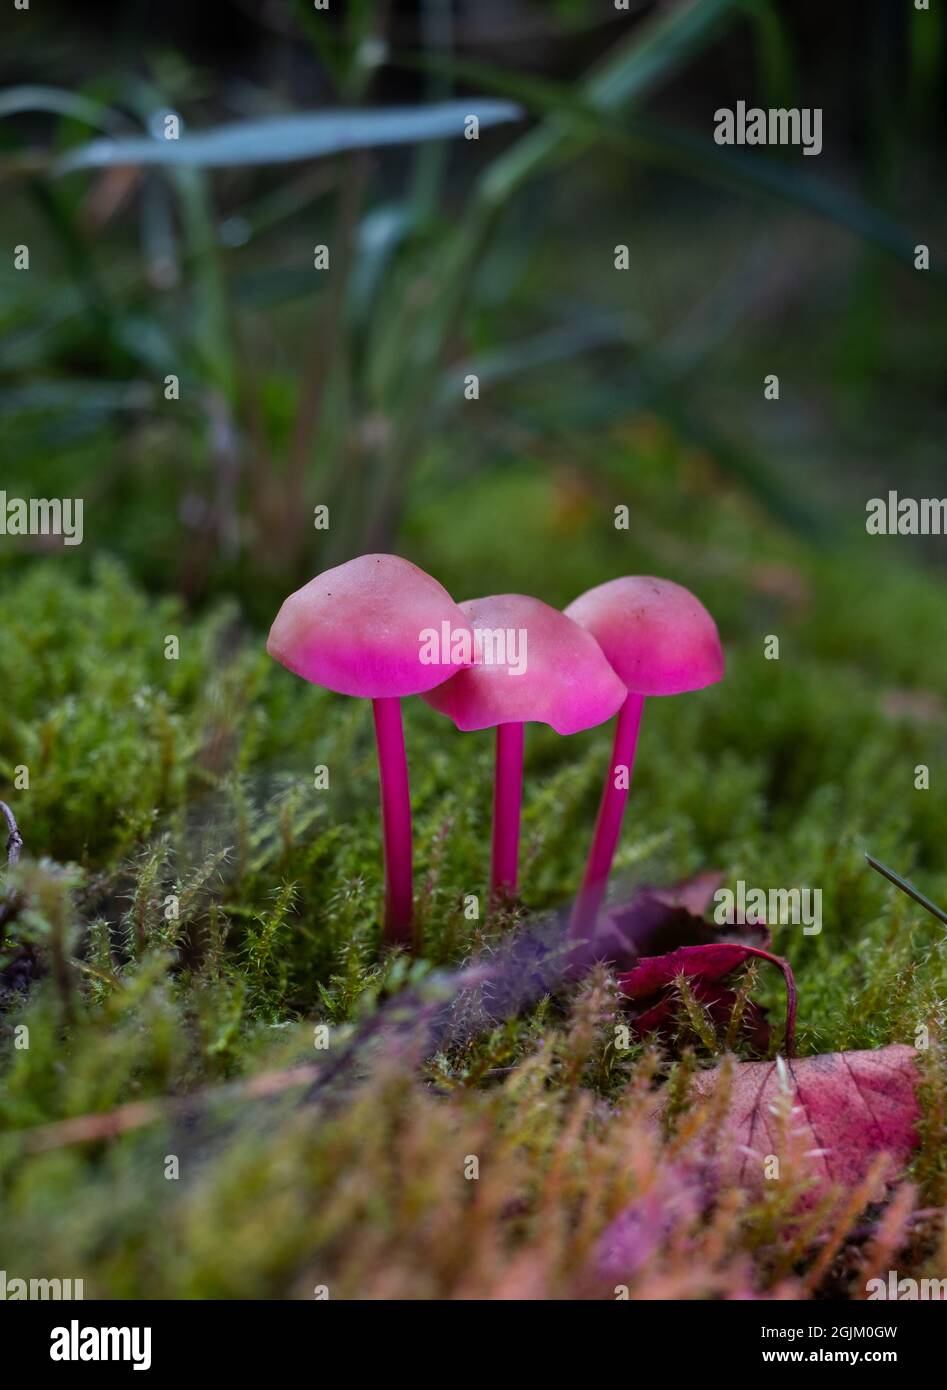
[[194, 777]]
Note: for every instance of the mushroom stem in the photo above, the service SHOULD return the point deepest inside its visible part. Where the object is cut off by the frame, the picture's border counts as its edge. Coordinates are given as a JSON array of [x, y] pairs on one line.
[[507, 798], [396, 819], [608, 824]]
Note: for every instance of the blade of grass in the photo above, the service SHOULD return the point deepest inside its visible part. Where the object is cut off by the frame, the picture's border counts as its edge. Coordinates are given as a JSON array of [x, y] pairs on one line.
[[907, 887], [657, 142], [288, 139], [653, 52], [55, 101]]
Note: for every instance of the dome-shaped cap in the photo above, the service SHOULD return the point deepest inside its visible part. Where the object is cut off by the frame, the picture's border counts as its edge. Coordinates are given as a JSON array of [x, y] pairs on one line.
[[659, 638], [362, 629], [531, 663]]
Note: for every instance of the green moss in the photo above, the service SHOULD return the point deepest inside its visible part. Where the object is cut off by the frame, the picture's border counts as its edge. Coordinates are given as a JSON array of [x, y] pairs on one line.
[[152, 780]]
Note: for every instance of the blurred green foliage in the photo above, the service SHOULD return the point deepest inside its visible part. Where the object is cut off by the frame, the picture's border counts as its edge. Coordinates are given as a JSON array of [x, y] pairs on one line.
[[300, 387]]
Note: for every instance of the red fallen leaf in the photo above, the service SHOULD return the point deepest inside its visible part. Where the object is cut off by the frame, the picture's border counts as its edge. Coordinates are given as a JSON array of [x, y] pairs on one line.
[[696, 894], [844, 1109], [718, 1000], [655, 926], [658, 920], [651, 983]]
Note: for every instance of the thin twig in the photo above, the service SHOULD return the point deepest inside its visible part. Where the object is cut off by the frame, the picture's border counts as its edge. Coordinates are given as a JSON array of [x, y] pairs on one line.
[[14, 839], [10, 903], [82, 1129], [908, 888]]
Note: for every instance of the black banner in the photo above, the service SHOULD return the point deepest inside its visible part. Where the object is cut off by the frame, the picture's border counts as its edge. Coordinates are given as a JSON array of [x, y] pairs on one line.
[[194, 1337]]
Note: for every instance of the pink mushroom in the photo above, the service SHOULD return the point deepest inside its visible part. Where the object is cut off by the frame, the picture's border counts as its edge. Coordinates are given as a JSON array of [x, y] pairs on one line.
[[661, 641], [531, 662], [364, 628]]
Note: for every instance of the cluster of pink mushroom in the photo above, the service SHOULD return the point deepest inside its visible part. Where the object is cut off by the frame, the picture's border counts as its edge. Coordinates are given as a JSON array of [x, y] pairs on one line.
[[380, 628]]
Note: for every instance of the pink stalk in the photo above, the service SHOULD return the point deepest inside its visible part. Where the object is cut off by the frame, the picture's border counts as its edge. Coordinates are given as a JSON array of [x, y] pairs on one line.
[[396, 819], [608, 824], [507, 798]]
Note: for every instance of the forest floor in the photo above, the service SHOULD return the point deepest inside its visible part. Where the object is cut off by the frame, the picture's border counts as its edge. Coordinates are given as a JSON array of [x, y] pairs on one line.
[[192, 778]]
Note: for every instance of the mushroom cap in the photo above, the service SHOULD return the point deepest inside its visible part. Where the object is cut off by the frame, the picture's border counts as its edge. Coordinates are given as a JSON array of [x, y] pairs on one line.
[[359, 628], [659, 638], [566, 683]]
